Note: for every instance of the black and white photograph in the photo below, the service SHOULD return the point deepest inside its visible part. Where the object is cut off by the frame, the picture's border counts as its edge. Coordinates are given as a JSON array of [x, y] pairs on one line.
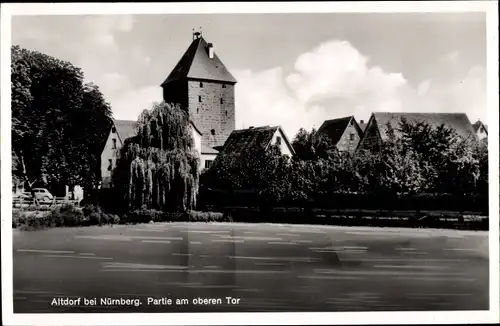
[[162, 164]]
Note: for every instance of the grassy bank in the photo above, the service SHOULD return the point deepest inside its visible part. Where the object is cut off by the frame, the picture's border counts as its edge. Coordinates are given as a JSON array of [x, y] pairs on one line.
[[70, 216]]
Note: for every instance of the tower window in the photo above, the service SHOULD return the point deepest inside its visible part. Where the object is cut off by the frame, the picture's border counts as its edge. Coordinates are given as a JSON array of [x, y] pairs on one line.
[[223, 85], [212, 131], [199, 98], [201, 84], [197, 110], [221, 101], [226, 113], [114, 143]]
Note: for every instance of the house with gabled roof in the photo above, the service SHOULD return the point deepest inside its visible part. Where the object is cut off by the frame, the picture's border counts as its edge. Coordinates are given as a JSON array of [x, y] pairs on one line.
[[343, 133], [120, 131], [481, 129], [201, 83], [376, 130], [246, 140]]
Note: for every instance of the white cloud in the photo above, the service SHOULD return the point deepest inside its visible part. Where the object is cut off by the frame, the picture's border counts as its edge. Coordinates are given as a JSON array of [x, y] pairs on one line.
[[423, 87], [336, 69], [129, 104], [335, 80]]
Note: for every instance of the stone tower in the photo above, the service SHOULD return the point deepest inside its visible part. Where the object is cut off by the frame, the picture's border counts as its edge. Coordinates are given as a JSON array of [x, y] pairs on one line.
[[202, 84]]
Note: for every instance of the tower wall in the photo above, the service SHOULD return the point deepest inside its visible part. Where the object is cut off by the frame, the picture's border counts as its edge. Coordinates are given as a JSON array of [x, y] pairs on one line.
[[211, 107]]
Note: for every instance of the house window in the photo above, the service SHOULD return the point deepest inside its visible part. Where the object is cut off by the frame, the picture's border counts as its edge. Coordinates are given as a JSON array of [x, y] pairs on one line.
[[114, 143], [201, 84], [199, 98], [351, 137], [110, 167], [208, 163], [278, 140], [113, 130], [221, 101]]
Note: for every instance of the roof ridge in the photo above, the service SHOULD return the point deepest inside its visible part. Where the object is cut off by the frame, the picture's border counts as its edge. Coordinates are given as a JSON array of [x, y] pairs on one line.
[[196, 64]]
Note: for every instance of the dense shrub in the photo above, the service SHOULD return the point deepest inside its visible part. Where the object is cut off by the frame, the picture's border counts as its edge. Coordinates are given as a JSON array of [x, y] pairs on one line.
[[66, 215], [151, 215], [144, 215], [195, 216], [31, 220], [96, 216]]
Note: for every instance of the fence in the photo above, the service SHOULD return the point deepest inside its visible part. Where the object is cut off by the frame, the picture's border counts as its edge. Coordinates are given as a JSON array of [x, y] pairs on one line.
[[32, 204]]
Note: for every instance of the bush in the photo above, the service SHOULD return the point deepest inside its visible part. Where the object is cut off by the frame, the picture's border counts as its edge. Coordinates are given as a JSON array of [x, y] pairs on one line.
[[151, 215], [144, 215], [67, 215], [195, 216], [31, 220], [96, 216], [114, 219]]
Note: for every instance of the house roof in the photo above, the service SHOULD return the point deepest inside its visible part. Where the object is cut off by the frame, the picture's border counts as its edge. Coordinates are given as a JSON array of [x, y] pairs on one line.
[[335, 128], [458, 121], [125, 129], [196, 64], [478, 125], [253, 138]]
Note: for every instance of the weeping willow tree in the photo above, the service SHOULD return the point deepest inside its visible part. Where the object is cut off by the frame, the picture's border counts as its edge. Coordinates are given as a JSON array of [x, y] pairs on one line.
[[159, 167]]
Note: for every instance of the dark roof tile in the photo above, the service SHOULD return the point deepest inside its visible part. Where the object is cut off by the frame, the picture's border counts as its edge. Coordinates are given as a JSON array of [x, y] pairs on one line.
[[196, 64]]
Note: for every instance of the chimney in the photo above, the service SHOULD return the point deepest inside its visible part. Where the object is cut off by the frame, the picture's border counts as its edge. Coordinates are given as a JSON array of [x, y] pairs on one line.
[[361, 121], [210, 50]]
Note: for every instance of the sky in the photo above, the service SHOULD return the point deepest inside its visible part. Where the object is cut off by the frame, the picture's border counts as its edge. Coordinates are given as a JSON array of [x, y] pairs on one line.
[[293, 70]]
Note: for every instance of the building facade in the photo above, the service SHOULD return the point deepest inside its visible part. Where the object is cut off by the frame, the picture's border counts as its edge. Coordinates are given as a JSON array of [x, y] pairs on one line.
[[344, 133], [481, 130], [119, 131]]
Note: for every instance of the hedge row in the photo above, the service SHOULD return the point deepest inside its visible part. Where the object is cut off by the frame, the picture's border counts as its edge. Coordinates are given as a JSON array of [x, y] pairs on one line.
[[445, 202], [248, 215], [71, 216]]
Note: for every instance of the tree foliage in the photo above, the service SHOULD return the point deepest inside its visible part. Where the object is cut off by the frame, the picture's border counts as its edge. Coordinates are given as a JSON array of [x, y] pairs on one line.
[[159, 168], [416, 158], [59, 123], [311, 145]]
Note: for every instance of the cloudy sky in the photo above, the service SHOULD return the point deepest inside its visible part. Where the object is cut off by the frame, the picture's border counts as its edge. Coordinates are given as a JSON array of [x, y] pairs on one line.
[[294, 70]]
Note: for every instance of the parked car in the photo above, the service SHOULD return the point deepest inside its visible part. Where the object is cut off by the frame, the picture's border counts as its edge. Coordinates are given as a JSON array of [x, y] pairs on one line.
[[43, 194]]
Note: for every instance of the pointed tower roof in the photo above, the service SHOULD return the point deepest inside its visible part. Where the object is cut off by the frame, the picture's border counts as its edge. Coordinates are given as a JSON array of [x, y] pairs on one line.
[[197, 64]]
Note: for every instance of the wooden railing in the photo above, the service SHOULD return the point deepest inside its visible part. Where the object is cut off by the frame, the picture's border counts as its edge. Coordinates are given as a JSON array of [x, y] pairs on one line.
[[29, 203]]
